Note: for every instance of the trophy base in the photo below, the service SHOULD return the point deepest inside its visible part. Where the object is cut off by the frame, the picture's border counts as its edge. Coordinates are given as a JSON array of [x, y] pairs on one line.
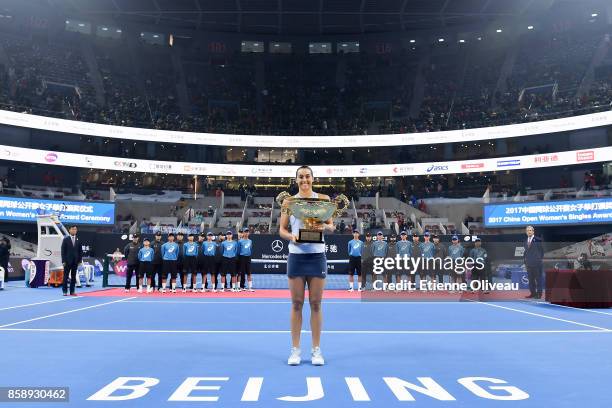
[[310, 236]]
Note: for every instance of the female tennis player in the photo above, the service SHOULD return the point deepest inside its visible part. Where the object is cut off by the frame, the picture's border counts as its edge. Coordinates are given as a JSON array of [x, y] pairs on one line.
[[306, 265]]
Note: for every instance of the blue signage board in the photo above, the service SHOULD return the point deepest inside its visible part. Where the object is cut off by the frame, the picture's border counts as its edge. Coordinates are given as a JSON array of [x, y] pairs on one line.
[[21, 209], [575, 212]]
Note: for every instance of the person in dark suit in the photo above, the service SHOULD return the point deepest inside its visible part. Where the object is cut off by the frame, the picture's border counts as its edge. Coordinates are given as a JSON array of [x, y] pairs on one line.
[[532, 257], [72, 255]]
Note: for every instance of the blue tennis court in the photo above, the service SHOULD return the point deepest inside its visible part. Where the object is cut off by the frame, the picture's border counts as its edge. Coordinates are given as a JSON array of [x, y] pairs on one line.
[[141, 351]]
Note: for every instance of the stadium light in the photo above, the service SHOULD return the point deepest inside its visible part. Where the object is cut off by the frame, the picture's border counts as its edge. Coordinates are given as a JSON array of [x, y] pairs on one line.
[[440, 39], [81, 25], [594, 14], [479, 38], [530, 27], [104, 28], [499, 30], [462, 41], [412, 41]]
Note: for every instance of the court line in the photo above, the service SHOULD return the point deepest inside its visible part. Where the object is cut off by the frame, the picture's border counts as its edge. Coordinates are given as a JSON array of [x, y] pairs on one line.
[[63, 313], [354, 302], [303, 331], [544, 316], [37, 303], [575, 308]]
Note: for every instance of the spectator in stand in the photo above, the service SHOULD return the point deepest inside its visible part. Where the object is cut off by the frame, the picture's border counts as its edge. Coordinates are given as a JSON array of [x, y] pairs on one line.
[[422, 206]]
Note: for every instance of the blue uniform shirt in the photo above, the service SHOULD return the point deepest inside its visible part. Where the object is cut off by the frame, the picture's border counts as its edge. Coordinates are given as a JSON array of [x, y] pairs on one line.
[[170, 251], [428, 249], [146, 254], [209, 248], [455, 251], [190, 249], [355, 247], [246, 247], [379, 248], [229, 249], [404, 248]]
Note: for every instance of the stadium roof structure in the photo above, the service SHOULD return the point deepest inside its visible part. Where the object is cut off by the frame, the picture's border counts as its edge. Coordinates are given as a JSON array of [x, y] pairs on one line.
[[299, 17]]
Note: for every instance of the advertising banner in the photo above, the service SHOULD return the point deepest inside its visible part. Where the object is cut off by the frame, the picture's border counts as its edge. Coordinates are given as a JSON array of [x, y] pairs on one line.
[[71, 212], [575, 212]]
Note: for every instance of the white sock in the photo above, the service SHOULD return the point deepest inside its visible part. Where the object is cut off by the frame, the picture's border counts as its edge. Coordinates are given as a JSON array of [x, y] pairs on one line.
[[250, 284], [350, 285], [359, 285], [174, 286]]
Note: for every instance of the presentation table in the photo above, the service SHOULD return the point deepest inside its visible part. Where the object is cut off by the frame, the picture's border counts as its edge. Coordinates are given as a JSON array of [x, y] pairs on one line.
[[579, 287]]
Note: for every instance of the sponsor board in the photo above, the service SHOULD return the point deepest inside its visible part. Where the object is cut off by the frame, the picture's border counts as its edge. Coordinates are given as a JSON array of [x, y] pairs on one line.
[[164, 136], [585, 155], [51, 157], [508, 163], [469, 166]]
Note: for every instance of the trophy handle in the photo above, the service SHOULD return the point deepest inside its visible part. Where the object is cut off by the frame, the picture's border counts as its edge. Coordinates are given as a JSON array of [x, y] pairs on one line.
[[279, 200], [341, 199]]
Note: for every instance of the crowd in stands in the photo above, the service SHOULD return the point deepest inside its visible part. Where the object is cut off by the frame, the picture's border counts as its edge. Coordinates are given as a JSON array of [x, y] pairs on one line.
[[302, 94]]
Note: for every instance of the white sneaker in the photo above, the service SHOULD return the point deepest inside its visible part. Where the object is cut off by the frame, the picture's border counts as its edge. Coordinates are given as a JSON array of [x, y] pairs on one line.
[[126, 290], [214, 290], [360, 290], [194, 290], [184, 290], [173, 290], [139, 290], [294, 358], [149, 289], [163, 290], [222, 290], [316, 357], [251, 290], [351, 289], [202, 290]]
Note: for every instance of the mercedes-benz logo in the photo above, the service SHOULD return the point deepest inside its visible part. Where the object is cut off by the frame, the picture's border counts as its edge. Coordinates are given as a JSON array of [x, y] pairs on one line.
[[277, 245]]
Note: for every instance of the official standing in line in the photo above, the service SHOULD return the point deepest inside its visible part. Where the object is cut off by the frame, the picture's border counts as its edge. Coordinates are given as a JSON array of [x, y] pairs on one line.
[[72, 256], [439, 253], [355, 251], [219, 263], [532, 257], [179, 261], [366, 260], [229, 252], [404, 251], [156, 265], [209, 252], [456, 251], [170, 252], [190, 262], [415, 252], [245, 249], [479, 255], [5, 255], [130, 254], [391, 254], [145, 259], [380, 248], [428, 251], [201, 266]]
